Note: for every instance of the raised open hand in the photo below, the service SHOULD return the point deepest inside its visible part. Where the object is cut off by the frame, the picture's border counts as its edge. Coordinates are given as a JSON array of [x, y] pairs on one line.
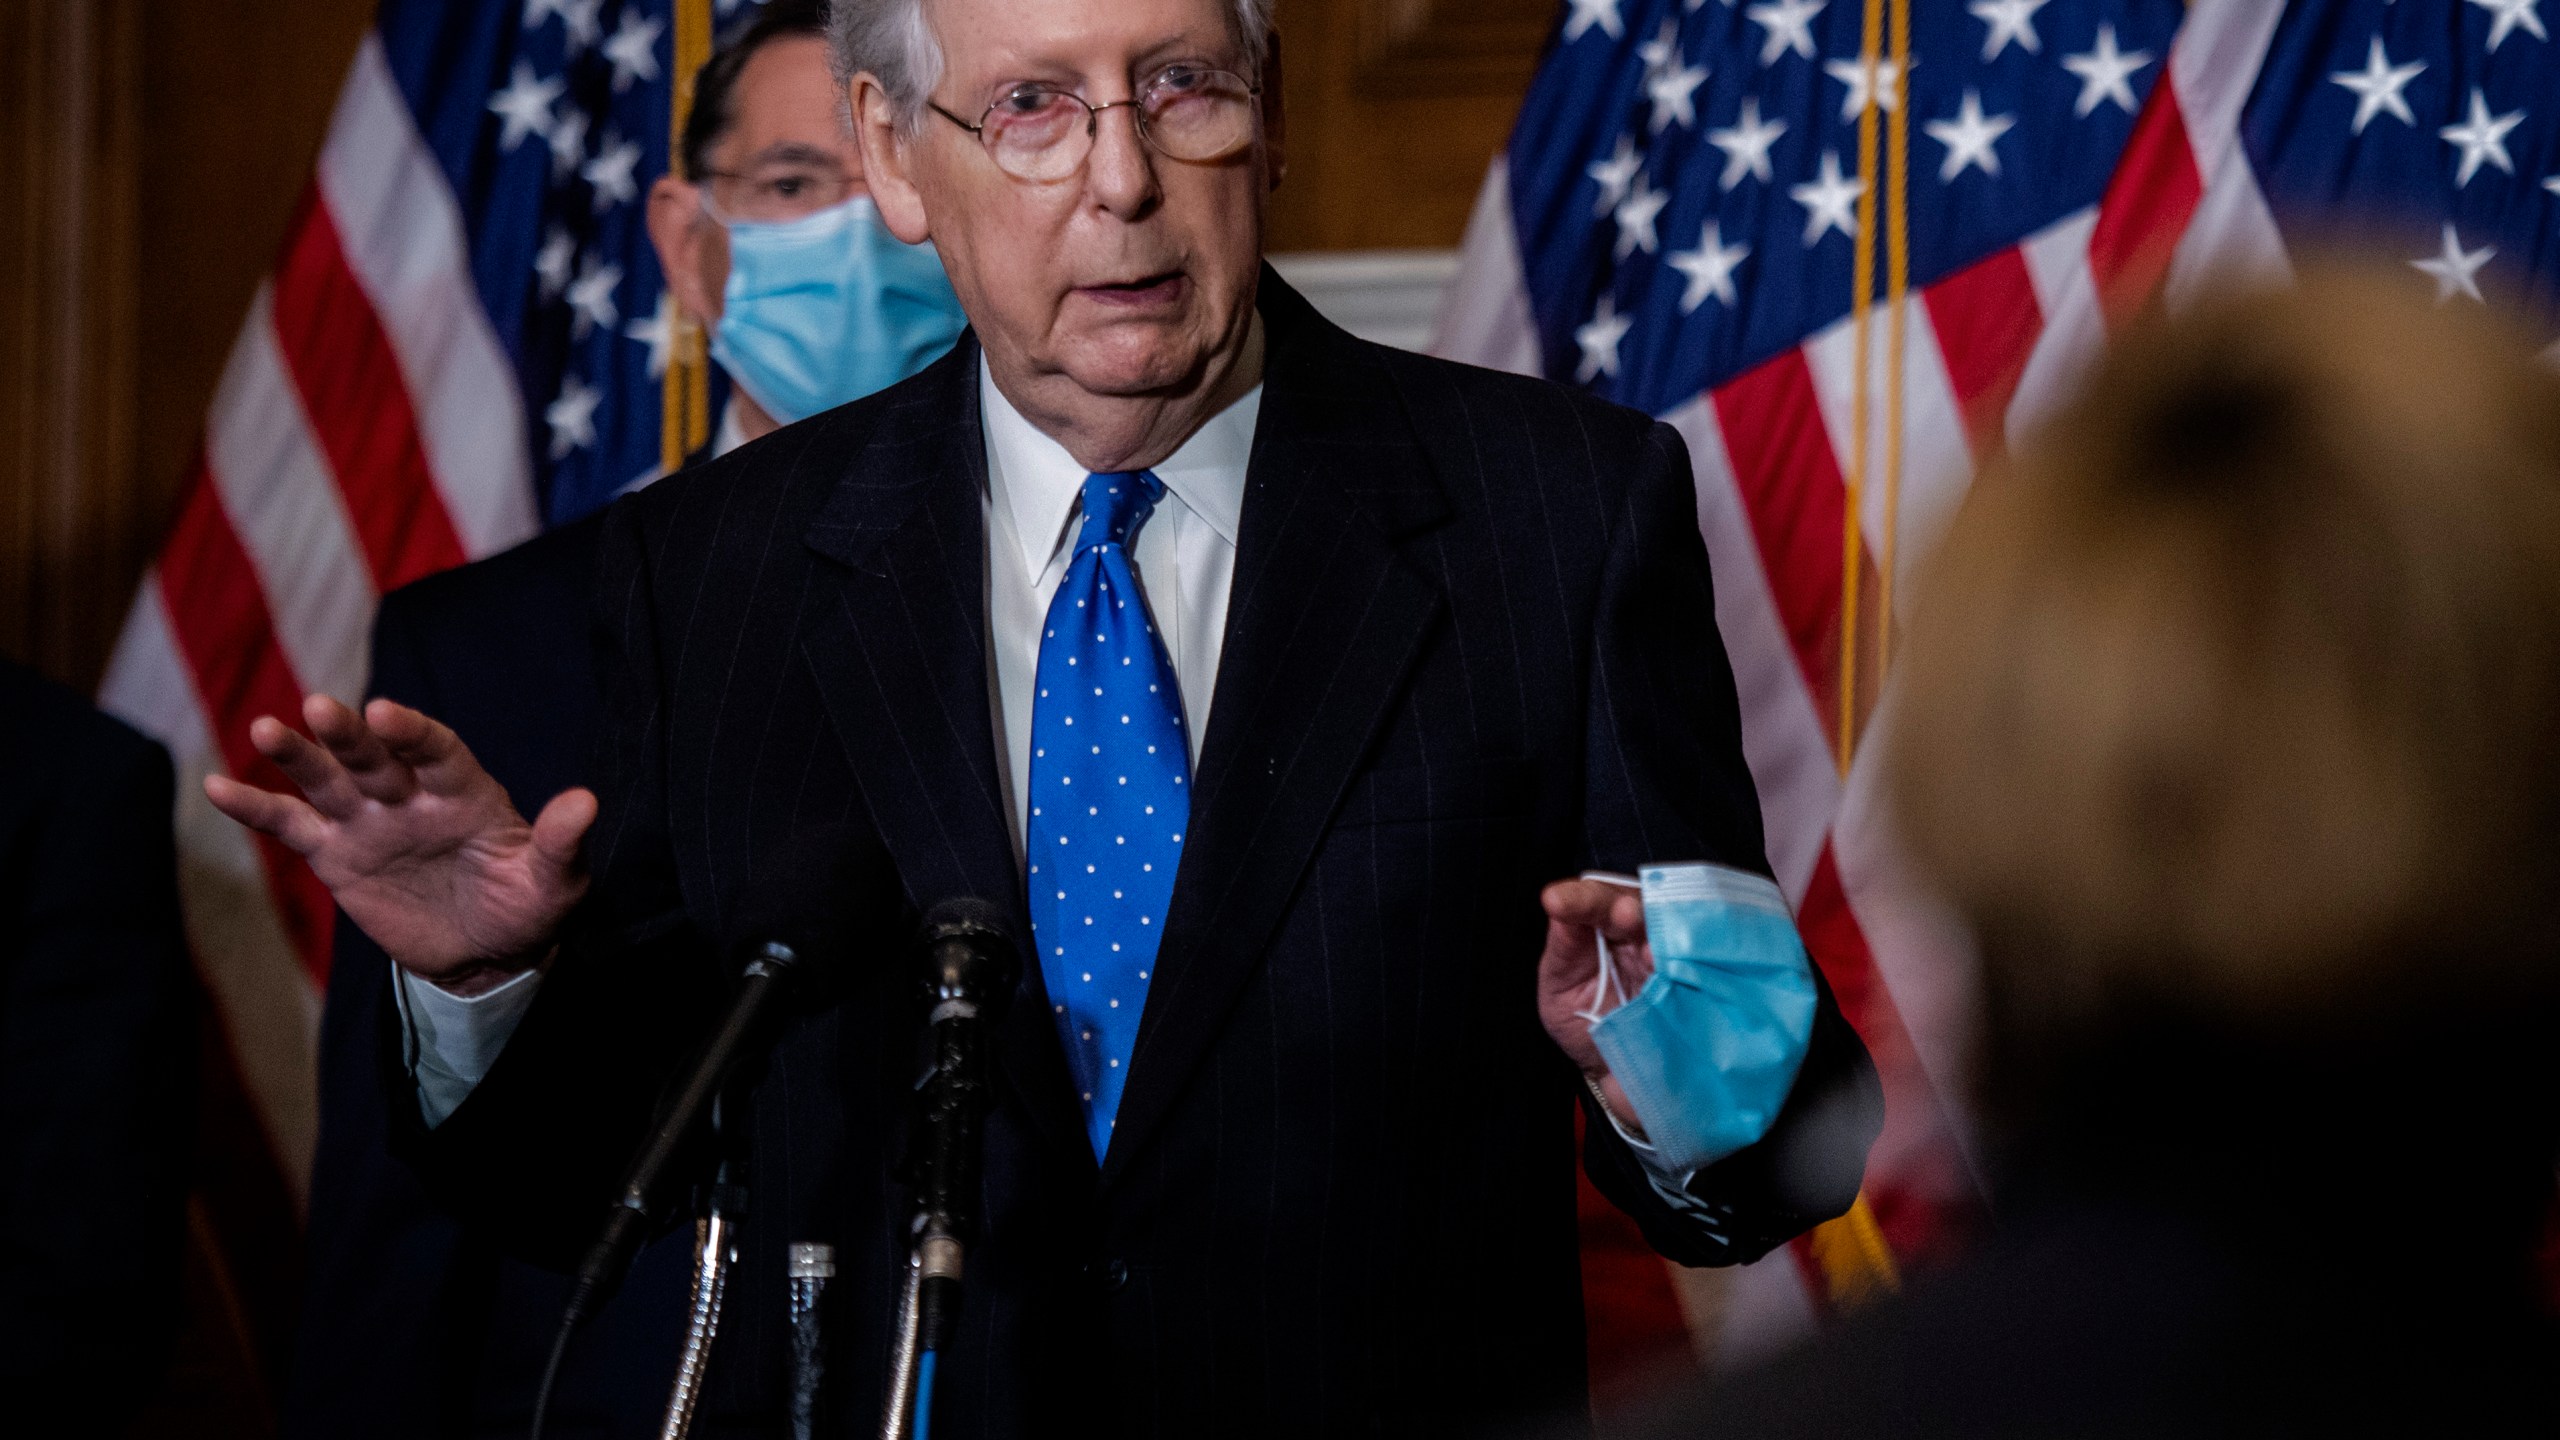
[[420, 846]]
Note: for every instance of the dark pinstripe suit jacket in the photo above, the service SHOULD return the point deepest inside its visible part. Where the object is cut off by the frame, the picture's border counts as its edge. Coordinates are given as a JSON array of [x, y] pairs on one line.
[[1471, 648]]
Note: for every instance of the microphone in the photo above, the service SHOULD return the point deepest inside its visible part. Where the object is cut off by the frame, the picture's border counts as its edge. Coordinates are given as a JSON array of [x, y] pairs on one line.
[[969, 973], [795, 921]]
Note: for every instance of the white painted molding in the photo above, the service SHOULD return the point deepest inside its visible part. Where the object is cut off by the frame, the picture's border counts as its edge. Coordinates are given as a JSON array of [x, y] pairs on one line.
[[1390, 296]]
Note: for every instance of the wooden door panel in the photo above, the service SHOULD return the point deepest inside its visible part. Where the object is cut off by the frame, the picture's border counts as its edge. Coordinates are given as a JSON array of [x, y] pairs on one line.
[[1395, 107]]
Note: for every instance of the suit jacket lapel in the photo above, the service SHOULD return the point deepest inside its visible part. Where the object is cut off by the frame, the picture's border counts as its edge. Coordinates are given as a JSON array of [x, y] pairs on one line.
[[1323, 623], [900, 658]]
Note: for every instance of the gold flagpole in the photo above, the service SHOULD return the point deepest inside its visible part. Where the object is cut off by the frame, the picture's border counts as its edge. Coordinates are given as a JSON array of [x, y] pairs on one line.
[[1897, 282], [1856, 1261], [1861, 424], [685, 402]]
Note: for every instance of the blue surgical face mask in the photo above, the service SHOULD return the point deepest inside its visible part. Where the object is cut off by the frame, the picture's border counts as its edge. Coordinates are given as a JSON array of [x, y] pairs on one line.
[[825, 309], [1709, 1048]]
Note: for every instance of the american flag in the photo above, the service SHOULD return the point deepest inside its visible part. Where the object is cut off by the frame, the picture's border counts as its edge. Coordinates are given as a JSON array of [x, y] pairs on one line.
[[1849, 248], [462, 340]]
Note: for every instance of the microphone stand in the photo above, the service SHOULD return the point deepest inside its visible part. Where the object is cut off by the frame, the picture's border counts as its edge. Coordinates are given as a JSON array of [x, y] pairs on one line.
[[797, 912], [929, 1300], [812, 1266], [715, 1252], [928, 1306], [906, 1366], [966, 972]]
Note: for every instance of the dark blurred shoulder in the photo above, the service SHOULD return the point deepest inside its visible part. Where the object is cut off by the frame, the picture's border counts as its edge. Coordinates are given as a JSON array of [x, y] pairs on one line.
[[55, 735], [502, 650], [559, 563], [790, 471], [2124, 1319]]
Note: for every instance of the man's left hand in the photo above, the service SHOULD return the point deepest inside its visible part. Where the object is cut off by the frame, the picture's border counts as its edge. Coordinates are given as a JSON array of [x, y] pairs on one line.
[[1570, 969]]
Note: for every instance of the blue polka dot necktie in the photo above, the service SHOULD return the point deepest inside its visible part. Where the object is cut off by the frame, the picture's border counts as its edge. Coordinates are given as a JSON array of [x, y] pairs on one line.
[[1110, 797]]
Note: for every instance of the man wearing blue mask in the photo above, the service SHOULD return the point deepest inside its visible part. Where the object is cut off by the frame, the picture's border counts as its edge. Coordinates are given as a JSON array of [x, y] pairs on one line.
[[772, 243], [414, 1324]]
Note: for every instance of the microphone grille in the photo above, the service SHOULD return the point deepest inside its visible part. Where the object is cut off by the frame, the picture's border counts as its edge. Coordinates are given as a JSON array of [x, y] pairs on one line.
[[964, 915], [968, 952]]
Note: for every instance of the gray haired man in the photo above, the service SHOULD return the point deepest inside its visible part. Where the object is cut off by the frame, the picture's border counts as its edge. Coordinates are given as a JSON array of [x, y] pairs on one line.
[[1266, 680]]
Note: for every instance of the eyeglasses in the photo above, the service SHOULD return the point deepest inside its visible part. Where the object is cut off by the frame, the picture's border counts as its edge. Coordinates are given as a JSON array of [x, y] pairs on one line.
[[783, 190], [1185, 112]]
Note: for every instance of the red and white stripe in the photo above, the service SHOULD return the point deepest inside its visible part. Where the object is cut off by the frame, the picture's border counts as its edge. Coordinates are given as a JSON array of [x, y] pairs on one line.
[[366, 431], [1988, 352]]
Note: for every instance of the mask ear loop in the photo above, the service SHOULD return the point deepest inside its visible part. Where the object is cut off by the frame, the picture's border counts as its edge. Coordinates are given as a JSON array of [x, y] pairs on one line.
[[1606, 982]]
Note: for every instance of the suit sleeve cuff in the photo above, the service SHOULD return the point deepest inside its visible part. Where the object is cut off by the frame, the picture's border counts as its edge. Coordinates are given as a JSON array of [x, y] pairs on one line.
[[450, 1041], [1672, 1185]]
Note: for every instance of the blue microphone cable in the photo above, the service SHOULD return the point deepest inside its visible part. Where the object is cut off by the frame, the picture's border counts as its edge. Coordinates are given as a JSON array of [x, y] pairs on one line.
[[924, 1397]]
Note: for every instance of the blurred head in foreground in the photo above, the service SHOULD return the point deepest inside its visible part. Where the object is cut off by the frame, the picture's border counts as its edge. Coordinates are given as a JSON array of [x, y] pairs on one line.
[[2232, 725], [2236, 696], [2230, 720]]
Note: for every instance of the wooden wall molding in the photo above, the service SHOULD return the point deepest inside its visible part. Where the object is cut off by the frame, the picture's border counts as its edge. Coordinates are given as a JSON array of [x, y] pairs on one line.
[[1448, 47], [150, 153], [69, 167], [1395, 109], [1390, 296]]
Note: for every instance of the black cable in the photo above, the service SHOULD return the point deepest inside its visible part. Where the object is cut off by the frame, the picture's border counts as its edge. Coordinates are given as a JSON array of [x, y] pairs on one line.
[[551, 1367]]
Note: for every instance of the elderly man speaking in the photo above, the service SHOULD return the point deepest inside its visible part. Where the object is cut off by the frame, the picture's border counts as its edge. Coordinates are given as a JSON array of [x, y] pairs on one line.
[[1262, 677]]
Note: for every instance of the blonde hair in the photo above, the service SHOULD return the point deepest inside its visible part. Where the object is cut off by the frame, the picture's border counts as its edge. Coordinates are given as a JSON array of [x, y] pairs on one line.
[[2239, 688]]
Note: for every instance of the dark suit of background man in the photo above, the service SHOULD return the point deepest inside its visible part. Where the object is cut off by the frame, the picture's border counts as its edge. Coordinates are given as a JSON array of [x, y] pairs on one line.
[[413, 1323], [1451, 635], [97, 1063]]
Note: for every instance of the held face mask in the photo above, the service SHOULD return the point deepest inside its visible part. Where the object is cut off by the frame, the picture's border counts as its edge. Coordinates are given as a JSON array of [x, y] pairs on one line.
[[1709, 1048], [825, 309]]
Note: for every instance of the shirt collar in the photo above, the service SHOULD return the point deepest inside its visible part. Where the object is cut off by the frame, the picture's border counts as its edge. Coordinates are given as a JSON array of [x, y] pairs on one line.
[[729, 436], [1039, 483], [731, 433]]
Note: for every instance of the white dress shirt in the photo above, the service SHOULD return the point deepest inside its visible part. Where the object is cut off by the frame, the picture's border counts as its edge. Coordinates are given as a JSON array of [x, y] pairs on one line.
[[1184, 556], [1185, 561]]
